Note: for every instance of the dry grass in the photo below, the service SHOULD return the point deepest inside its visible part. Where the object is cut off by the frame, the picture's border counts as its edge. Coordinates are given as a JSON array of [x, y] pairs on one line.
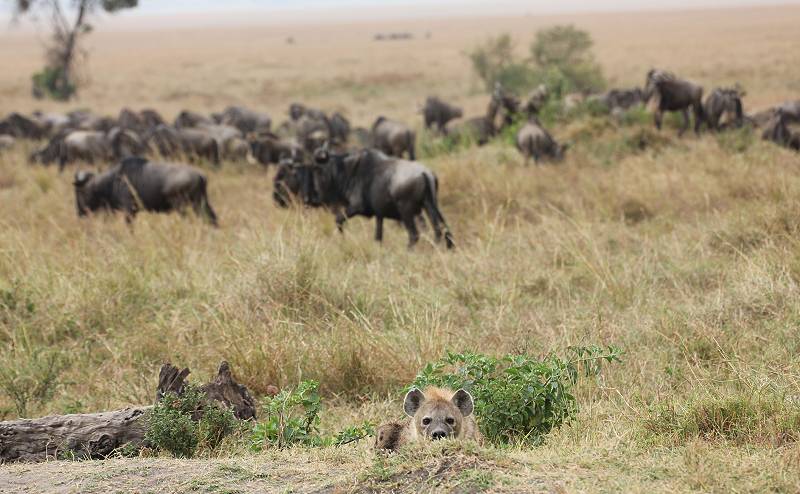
[[684, 253]]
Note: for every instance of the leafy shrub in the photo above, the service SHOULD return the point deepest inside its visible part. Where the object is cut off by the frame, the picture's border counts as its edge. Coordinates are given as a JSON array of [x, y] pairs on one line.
[[518, 398], [46, 84], [736, 141], [171, 424], [561, 59], [292, 419]]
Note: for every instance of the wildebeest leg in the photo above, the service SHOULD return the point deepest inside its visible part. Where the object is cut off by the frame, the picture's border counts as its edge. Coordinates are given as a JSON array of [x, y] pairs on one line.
[[658, 116], [698, 118], [411, 227], [685, 126], [340, 219], [379, 229]]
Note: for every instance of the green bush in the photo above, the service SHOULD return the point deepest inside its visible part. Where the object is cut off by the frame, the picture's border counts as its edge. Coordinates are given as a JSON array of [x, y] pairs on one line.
[[46, 84], [736, 141], [518, 398], [171, 424], [561, 59], [292, 419], [30, 376]]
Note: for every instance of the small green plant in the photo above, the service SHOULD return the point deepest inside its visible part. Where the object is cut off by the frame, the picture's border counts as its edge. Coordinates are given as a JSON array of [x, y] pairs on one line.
[[736, 141], [172, 424], [518, 398], [292, 419], [47, 83]]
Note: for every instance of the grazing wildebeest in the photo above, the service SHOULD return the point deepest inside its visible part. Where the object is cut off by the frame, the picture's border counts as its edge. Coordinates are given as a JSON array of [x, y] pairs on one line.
[[533, 141], [293, 183], [192, 143], [270, 149], [189, 119], [137, 183], [91, 146], [536, 100], [623, 99], [372, 184], [299, 110], [674, 94], [778, 130], [22, 127], [721, 103], [482, 129], [394, 138], [439, 113], [52, 123], [245, 120]]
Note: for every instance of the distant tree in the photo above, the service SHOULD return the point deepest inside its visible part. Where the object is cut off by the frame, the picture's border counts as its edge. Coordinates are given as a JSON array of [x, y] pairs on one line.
[[568, 51], [561, 58], [58, 79]]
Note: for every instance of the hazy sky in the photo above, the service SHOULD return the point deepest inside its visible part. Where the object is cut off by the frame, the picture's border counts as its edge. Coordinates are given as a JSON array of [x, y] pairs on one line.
[[315, 11], [544, 6]]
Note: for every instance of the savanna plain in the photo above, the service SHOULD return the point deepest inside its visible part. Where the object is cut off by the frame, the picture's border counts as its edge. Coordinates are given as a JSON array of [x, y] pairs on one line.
[[684, 253]]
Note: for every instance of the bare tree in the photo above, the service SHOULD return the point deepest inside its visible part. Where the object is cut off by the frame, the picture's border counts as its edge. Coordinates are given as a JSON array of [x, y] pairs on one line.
[[58, 78]]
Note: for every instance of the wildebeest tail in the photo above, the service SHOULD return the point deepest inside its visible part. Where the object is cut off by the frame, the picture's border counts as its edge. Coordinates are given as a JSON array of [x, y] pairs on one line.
[[431, 187], [410, 145], [205, 205]]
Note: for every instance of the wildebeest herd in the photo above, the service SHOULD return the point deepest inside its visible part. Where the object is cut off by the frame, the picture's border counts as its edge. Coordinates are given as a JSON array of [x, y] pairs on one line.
[[322, 161]]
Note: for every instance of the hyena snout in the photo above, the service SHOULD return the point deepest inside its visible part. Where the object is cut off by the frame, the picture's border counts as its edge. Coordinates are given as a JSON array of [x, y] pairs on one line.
[[440, 434]]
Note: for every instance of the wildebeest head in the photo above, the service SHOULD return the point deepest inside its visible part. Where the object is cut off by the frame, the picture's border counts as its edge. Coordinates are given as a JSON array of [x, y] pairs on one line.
[[296, 111], [84, 195]]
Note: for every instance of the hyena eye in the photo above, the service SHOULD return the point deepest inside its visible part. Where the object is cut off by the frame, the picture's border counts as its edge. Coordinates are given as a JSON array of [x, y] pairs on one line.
[[426, 421], [450, 421]]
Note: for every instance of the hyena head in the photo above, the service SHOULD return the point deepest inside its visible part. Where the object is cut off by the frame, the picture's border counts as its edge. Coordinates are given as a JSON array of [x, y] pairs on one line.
[[438, 413]]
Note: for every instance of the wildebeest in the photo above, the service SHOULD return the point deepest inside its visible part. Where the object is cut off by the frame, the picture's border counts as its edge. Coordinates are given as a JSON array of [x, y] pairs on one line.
[[481, 130], [533, 141], [722, 103], [779, 130], [22, 127], [617, 100], [339, 129], [245, 120], [91, 146], [674, 94], [536, 100], [394, 138], [372, 184], [270, 149], [299, 110], [190, 119], [190, 142], [294, 182], [438, 113], [136, 183]]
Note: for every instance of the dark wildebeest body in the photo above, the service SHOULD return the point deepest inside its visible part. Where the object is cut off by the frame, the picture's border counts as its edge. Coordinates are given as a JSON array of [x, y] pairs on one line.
[[136, 184], [394, 138], [533, 141], [270, 149], [22, 127], [339, 129], [536, 100], [372, 184], [675, 95], [482, 129], [779, 131], [245, 120], [439, 113], [189, 119], [293, 182], [192, 143], [722, 103], [90, 146], [622, 99]]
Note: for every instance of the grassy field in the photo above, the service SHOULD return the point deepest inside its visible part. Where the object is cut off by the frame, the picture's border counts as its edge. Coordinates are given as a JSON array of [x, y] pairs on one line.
[[684, 253]]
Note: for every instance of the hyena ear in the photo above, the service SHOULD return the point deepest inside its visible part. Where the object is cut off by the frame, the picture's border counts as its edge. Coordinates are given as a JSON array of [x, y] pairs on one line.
[[413, 401], [463, 401]]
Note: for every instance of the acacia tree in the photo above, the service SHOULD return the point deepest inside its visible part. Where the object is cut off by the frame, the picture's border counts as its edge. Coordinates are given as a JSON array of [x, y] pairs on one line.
[[58, 79]]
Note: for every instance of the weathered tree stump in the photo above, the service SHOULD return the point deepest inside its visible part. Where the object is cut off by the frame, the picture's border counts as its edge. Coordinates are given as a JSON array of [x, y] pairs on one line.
[[97, 435]]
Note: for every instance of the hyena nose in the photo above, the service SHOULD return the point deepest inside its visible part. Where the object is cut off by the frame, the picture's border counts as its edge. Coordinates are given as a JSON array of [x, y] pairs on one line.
[[439, 435]]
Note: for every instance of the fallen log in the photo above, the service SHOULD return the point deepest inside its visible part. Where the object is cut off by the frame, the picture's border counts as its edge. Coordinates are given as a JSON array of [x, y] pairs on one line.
[[98, 435]]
